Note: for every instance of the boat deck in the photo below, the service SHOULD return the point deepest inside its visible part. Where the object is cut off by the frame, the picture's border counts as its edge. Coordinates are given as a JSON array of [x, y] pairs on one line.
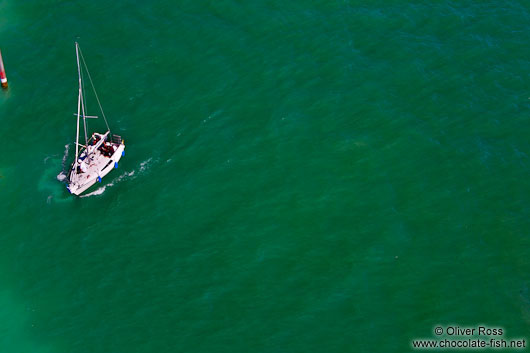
[[102, 158]]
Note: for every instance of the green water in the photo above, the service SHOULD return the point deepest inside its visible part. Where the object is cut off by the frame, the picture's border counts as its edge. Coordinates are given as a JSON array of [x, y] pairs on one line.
[[301, 176]]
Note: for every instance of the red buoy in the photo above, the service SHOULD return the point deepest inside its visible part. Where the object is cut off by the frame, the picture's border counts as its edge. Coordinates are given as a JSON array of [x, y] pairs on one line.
[[3, 77]]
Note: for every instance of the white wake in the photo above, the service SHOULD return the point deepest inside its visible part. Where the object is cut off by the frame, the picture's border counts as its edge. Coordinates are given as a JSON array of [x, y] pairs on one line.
[[62, 175], [144, 166]]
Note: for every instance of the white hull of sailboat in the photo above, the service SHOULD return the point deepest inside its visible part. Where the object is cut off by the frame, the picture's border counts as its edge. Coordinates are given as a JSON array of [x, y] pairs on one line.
[[101, 153], [97, 170]]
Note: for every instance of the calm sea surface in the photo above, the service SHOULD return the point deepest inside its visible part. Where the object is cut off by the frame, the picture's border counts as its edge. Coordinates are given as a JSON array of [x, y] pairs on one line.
[[300, 176]]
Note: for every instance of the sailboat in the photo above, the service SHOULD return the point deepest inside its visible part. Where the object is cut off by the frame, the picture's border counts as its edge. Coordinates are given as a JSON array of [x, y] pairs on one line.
[[101, 152]]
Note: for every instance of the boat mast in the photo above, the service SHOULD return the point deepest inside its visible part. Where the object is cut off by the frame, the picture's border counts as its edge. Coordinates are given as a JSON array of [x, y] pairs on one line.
[[78, 107], [84, 117]]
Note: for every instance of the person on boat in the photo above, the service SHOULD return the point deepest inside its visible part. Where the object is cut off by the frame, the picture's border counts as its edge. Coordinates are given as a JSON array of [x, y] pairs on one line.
[[106, 149]]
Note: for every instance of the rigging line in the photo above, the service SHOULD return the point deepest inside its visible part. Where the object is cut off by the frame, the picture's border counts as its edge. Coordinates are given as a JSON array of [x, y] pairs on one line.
[[94, 89]]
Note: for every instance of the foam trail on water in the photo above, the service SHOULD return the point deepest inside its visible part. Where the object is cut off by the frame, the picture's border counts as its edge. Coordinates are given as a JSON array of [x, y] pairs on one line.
[[125, 176], [98, 191], [65, 156], [62, 175], [145, 164]]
